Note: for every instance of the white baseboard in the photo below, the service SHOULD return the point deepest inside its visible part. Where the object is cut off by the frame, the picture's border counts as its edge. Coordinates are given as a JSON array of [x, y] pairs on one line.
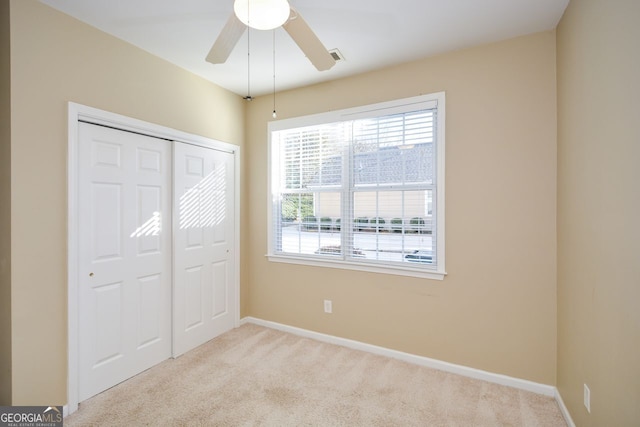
[[564, 410], [546, 390]]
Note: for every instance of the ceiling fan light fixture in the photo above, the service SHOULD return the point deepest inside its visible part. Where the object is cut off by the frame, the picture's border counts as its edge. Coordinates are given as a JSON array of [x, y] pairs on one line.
[[262, 14]]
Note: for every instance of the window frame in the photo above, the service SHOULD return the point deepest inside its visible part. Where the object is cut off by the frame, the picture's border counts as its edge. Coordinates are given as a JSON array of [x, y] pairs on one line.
[[368, 111]]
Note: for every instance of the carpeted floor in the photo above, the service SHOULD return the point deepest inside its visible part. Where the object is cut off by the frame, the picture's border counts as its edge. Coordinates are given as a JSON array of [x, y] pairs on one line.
[[254, 376]]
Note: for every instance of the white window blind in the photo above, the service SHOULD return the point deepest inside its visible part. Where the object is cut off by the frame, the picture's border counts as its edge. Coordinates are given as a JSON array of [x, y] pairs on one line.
[[310, 178], [361, 190]]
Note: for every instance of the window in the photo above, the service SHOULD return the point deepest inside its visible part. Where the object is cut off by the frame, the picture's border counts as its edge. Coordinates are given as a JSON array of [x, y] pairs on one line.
[[361, 188]]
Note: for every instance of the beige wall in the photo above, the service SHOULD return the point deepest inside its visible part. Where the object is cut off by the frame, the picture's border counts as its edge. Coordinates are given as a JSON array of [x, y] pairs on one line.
[[56, 59], [496, 310], [599, 211], [5, 208]]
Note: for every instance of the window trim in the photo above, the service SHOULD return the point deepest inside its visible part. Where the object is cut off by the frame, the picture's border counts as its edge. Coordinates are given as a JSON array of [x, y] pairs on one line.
[[367, 111]]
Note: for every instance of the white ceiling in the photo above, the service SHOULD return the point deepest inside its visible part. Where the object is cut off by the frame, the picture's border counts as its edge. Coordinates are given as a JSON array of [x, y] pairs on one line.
[[371, 34]]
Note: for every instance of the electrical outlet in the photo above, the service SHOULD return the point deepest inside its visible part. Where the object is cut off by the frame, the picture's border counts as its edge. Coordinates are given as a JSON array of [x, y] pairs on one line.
[[587, 398], [328, 306]]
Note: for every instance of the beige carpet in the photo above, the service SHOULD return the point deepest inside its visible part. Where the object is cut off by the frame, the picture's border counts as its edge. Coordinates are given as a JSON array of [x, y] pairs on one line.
[[258, 376]]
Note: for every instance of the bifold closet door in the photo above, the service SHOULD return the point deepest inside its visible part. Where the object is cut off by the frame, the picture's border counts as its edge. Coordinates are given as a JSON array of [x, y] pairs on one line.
[[124, 323], [203, 245]]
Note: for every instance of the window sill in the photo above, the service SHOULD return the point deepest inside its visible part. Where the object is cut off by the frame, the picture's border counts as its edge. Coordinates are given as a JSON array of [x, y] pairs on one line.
[[360, 266]]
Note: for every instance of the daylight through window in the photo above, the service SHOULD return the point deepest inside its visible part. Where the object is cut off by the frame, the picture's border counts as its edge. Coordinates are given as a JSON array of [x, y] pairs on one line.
[[361, 188]]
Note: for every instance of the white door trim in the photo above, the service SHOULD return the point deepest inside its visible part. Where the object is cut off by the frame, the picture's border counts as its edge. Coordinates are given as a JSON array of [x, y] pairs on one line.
[[76, 113]]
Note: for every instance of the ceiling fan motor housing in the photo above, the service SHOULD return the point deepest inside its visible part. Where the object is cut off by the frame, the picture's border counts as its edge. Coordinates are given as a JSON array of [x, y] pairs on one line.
[[262, 14]]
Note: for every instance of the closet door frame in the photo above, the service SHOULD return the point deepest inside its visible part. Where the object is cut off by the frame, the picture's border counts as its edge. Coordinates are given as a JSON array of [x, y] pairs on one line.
[[76, 114]]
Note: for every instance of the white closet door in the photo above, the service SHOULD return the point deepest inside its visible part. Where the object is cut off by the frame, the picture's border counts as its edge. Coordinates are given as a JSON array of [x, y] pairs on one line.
[[124, 256], [204, 297]]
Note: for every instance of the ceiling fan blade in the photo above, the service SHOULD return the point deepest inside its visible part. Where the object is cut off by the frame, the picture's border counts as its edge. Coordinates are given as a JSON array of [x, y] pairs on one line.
[[226, 41], [308, 42]]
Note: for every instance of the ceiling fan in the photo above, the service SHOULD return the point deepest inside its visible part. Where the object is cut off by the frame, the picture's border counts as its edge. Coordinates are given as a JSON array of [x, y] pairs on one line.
[[266, 15]]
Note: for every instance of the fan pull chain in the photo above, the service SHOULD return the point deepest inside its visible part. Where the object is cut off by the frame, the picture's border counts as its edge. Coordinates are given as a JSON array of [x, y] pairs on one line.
[[248, 97], [275, 115]]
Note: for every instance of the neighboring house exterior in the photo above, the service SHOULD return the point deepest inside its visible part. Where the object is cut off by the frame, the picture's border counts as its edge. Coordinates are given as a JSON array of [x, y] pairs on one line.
[[384, 177]]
